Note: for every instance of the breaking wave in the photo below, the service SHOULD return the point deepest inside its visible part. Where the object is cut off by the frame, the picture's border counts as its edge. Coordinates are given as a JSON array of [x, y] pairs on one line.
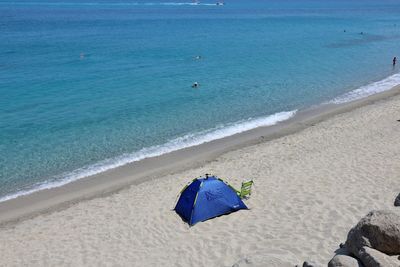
[[185, 141], [368, 90]]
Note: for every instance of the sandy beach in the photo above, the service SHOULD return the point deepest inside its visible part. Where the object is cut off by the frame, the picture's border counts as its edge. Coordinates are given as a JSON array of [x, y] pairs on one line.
[[312, 184]]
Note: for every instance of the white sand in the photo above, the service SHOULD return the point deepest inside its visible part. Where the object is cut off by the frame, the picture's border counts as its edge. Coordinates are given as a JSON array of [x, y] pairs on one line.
[[311, 187]]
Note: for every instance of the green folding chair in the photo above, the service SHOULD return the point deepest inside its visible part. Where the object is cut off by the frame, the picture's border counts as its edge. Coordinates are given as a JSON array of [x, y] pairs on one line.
[[245, 190]]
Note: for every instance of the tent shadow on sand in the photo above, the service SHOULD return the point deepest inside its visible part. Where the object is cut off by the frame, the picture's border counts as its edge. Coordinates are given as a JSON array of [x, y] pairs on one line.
[[207, 198]]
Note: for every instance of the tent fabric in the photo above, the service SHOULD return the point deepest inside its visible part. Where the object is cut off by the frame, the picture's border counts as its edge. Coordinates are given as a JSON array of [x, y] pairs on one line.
[[206, 198]]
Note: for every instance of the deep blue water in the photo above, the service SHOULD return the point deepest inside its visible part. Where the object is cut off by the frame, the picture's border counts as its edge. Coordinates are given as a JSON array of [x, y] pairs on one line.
[[89, 85]]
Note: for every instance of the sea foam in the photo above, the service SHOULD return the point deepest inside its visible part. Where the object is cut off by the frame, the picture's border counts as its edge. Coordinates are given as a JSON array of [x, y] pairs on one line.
[[368, 90], [185, 141]]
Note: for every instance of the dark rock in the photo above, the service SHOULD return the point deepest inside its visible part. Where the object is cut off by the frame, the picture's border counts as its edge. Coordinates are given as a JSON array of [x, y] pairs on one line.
[[373, 258], [344, 261], [343, 251], [379, 230], [309, 264], [397, 201]]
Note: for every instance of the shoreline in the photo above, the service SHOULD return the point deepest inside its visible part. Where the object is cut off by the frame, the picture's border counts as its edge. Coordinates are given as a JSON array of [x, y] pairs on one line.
[[114, 180]]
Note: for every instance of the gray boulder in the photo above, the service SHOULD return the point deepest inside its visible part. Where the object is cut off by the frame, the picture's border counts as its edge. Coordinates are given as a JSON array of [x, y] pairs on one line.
[[344, 261], [380, 230], [397, 201], [343, 250], [309, 264], [373, 258]]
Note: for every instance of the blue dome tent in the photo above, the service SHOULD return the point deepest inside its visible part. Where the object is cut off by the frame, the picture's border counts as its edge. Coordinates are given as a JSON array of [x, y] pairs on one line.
[[206, 198]]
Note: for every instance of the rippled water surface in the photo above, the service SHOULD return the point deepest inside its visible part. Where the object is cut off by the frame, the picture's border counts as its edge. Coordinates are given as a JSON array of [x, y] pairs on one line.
[[90, 85]]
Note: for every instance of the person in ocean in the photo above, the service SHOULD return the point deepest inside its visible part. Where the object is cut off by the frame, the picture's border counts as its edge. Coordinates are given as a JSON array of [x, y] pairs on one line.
[[195, 85], [394, 61]]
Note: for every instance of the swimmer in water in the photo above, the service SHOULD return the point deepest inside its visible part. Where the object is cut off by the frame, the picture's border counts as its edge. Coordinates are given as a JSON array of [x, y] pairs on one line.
[[394, 61], [198, 57], [195, 85]]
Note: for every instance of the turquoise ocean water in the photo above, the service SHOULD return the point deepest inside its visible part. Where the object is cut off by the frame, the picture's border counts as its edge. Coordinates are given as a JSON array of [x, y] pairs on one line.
[[90, 85]]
